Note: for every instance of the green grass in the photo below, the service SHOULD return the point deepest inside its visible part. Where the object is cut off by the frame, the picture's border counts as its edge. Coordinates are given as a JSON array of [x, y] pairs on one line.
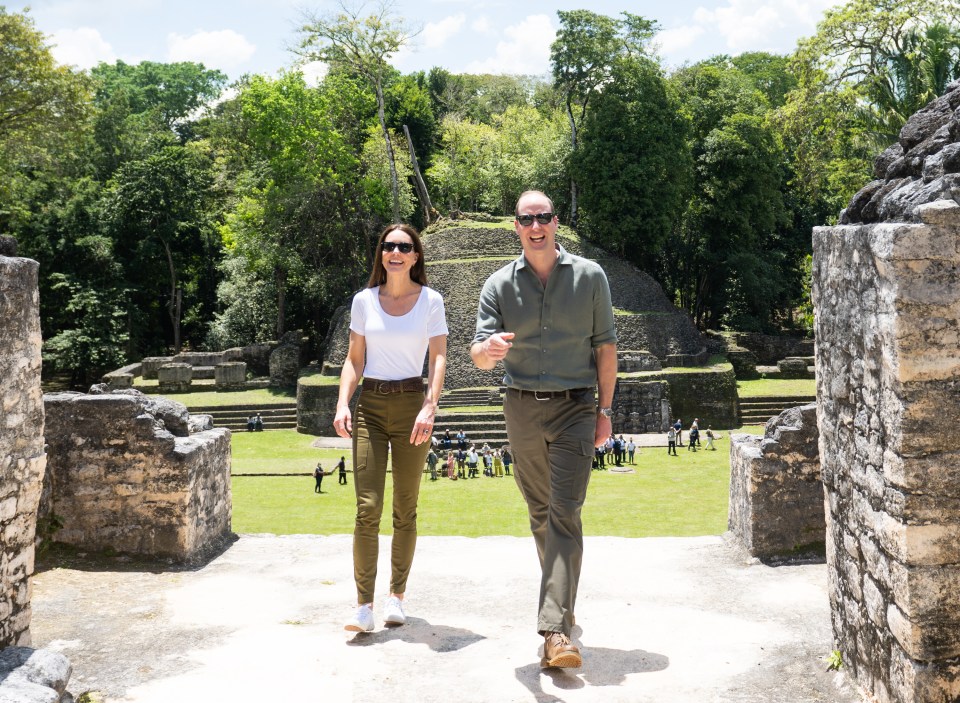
[[667, 496], [254, 396], [776, 386], [281, 452]]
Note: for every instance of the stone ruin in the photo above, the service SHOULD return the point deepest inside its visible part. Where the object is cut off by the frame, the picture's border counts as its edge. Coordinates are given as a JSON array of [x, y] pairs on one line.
[[22, 457], [886, 288], [776, 495], [126, 472]]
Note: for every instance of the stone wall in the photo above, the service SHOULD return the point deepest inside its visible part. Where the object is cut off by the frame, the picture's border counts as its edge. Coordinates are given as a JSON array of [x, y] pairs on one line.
[[641, 406], [887, 297], [22, 458], [776, 496], [709, 394], [769, 349], [124, 474]]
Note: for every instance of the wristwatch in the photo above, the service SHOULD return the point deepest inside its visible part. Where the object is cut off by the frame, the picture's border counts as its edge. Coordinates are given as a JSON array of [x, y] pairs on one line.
[[606, 412]]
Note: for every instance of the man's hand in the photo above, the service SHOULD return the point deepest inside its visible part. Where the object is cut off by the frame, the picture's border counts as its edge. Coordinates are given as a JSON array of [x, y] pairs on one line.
[[604, 430], [494, 348]]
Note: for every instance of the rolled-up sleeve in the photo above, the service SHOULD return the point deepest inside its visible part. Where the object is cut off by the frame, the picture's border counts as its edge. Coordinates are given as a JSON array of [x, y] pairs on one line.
[[489, 315], [604, 326]]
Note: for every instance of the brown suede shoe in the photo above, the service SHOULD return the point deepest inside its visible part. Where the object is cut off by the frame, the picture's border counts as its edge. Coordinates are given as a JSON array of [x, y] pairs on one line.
[[558, 651]]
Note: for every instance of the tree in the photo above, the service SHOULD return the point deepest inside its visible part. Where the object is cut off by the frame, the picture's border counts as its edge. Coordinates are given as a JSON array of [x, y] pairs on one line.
[[165, 199], [582, 58], [363, 43], [43, 112], [633, 163], [896, 55]]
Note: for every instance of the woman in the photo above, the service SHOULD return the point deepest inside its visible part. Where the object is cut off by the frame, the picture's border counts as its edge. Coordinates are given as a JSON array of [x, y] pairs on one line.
[[394, 322]]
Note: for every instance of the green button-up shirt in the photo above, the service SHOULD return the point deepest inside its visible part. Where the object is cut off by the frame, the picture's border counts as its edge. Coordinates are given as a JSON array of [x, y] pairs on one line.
[[556, 327]]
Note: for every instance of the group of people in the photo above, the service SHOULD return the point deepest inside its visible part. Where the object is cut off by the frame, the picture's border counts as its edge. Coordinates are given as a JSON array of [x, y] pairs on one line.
[[675, 437], [466, 463], [255, 423], [447, 442], [319, 473], [615, 451], [547, 317]]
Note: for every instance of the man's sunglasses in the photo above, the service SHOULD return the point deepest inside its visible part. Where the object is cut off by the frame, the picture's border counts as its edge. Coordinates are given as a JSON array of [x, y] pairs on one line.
[[544, 218], [404, 247]]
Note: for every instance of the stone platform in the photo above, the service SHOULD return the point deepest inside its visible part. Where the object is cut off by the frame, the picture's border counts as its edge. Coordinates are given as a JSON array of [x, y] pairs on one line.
[[668, 620]]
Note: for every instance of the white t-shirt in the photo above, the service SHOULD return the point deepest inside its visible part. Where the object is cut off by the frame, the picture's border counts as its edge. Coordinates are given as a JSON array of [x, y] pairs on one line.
[[396, 345]]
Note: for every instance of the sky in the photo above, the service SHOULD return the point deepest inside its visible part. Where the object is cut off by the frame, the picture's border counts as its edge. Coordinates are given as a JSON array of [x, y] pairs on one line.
[[462, 36]]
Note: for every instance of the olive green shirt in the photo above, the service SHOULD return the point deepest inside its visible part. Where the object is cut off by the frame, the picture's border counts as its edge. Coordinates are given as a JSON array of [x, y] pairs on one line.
[[556, 328]]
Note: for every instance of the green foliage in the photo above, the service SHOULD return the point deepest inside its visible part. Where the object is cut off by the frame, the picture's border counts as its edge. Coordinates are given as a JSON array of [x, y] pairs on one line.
[[481, 167], [834, 660], [97, 341], [633, 164]]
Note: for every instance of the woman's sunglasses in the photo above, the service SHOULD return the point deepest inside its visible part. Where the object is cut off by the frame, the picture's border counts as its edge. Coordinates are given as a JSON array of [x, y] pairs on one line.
[[544, 218], [404, 247]]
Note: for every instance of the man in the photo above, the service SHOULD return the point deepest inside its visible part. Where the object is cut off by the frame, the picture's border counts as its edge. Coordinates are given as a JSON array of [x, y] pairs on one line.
[[318, 477], [548, 317], [432, 463]]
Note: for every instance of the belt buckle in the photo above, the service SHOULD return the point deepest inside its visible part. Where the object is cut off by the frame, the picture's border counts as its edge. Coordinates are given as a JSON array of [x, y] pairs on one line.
[[381, 385], [536, 395]]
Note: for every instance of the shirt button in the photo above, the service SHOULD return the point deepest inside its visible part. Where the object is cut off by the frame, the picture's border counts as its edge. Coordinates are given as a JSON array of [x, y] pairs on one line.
[[544, 327]]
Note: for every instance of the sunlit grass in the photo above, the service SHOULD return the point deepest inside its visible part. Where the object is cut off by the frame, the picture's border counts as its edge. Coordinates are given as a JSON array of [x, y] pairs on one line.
[[776, 386], [666, 496]]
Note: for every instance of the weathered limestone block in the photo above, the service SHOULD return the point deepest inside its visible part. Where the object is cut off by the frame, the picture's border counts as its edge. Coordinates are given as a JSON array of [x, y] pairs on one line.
[[22, 457], [33, 675], [744, 362], [641, 406], [231, 375], [151, 365], [629, 361], [316, 406], [119, 479], [122, 377], [888, 386], [286, 360], [793, 367], [175, 378], [776, 496], [198, 358]]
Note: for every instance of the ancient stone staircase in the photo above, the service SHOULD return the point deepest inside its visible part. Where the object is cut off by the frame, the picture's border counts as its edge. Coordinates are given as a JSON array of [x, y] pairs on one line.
[[479, 426], [758, 410], [234, 417]]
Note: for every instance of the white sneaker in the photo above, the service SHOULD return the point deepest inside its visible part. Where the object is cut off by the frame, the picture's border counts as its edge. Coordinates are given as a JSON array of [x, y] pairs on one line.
[[393, 612], [362, 620]]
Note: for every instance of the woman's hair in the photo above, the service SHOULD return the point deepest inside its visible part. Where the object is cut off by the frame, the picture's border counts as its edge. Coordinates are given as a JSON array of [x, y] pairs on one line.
[[418, 272]]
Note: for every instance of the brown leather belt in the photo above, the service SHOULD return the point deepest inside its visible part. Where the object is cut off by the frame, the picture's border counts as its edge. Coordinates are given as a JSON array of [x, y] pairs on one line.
[[407, 385], [549, 395]]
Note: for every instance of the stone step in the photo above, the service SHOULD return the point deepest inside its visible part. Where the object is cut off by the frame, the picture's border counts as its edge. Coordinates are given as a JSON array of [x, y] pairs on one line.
[[251, 409], [784, 400]]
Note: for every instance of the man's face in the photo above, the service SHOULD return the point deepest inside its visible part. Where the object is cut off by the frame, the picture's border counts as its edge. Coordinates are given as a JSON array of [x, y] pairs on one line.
[[535, 237]]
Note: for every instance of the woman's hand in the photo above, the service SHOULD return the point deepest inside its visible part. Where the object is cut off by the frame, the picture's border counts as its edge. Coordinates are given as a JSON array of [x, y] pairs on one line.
[[423, 427], [343, 422]]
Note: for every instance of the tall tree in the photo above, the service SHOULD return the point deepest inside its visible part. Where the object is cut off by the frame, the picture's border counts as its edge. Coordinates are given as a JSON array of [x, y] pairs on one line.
[[582, 58], [895, 55], [363, 43], [633, 163]]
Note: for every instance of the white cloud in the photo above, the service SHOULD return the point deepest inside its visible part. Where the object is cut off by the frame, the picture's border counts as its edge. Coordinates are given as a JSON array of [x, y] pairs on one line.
[[749, 24], [313, 72], [223, 49], [525, 50], [481, 25], [83, 47], [436, 34], [672, 40]]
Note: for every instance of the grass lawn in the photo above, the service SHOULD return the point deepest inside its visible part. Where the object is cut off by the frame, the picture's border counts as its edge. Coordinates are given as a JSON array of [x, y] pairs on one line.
[[200, 399], [667, 496], [776, 386]]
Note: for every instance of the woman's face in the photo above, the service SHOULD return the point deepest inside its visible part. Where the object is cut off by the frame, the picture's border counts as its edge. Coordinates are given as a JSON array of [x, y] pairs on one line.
[[398, 262]]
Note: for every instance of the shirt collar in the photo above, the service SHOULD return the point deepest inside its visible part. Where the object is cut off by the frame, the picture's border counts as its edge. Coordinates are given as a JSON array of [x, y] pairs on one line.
[[564, 257]]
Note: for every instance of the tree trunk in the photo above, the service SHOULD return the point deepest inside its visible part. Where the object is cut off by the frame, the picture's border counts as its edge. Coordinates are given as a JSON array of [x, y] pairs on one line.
[[422, 193], [173, 306], [394, 184], [573, 182], [281, 301]]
